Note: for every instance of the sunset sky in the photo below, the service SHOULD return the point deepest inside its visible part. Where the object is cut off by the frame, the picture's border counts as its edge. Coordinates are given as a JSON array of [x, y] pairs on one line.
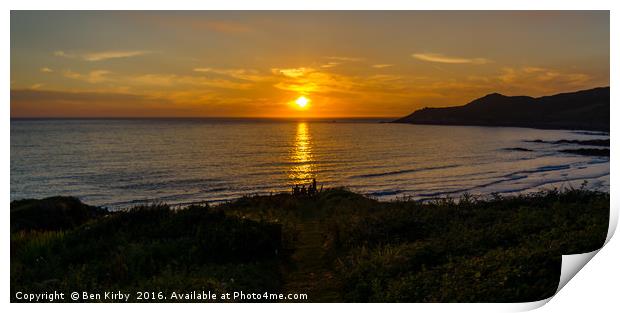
[[260, 64]]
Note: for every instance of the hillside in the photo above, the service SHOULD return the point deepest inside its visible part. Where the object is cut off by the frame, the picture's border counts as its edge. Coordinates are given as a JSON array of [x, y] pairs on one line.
[[586, 110]]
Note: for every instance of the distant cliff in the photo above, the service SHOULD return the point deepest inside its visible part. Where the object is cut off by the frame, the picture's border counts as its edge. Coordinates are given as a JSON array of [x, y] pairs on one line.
[[586, 109]]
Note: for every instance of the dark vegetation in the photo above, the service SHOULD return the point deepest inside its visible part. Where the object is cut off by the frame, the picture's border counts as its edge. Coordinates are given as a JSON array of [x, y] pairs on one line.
[[148, 248], [55, 213], [335, 246], [584, 110], [497, 250]]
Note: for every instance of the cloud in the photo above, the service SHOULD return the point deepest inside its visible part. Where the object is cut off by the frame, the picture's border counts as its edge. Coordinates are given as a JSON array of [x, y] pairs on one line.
[[48, 103], [330, 64], [292, 72], [93, 77], [102, 55], [533, 69], [540, 77], [338, 60], [168, 103], [203, 69], [172, 80], [46, 70], [331, 85], [382, 65], [242, 74], [154, 82], [440, 58], [345, 59], [105, 55]]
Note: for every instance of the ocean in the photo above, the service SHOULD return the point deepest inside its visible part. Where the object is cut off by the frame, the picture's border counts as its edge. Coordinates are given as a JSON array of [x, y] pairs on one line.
[[118, 163]]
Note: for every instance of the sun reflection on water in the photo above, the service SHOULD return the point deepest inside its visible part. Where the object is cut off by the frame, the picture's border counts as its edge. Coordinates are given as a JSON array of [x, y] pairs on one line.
[[302, 169]]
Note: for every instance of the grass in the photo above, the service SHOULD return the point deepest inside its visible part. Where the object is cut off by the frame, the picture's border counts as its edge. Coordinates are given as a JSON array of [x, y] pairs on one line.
[[336, 247], [150, 248], [497, 250]]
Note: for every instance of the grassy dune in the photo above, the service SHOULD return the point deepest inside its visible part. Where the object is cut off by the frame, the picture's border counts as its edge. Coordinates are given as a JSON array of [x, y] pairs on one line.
[[150, 248], [337, 246]]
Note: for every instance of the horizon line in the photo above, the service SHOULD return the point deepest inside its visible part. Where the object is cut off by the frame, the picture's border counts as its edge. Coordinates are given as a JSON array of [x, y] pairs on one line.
[[196, 117]]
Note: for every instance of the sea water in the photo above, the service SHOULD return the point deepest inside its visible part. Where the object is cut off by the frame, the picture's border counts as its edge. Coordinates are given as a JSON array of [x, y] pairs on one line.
[[123, 162]]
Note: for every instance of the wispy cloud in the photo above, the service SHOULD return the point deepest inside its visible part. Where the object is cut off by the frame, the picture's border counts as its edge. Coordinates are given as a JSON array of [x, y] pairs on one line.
[[153, 82], [541, 77], [382, 65], [93, 77], [292, 72], [440, 58], [180, 81], [339, 60], [105, 55], [540, 81], [46, 70], [330, 64], [238, 73], [102, 55], [345, 59], [331, 85]]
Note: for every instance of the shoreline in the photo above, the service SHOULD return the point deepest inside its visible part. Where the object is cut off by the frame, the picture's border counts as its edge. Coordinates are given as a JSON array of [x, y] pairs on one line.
[[604, 131], [423, 198]]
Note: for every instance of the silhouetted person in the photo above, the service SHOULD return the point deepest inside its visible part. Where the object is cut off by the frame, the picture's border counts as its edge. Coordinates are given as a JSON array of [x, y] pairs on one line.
[[314, 186], [303, 190]]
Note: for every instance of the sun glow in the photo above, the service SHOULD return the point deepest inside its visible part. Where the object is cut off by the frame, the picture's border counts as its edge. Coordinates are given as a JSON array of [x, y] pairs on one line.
[[302, 102]]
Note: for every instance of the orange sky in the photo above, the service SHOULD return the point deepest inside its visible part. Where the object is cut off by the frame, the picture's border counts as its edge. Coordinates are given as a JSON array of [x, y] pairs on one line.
[[256, 64]]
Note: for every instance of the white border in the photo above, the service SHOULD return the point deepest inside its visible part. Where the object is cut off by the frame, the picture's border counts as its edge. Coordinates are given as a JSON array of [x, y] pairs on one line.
[[594, 286]]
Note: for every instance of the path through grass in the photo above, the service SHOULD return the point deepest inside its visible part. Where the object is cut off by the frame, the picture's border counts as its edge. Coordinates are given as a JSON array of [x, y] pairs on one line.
[[309, 272]]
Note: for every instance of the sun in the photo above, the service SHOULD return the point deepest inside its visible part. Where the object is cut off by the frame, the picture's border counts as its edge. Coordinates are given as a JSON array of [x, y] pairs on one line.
[[302, 102]]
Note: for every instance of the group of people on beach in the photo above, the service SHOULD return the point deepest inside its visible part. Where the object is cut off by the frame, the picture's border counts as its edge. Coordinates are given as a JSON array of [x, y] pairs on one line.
[[302, 190]]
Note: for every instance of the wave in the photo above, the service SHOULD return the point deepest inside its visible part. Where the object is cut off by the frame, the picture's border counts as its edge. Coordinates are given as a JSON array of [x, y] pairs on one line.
[[399, 172], [520, 177]]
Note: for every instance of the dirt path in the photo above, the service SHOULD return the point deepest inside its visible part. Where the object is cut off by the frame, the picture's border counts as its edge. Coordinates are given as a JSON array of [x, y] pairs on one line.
[[308, 272]]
